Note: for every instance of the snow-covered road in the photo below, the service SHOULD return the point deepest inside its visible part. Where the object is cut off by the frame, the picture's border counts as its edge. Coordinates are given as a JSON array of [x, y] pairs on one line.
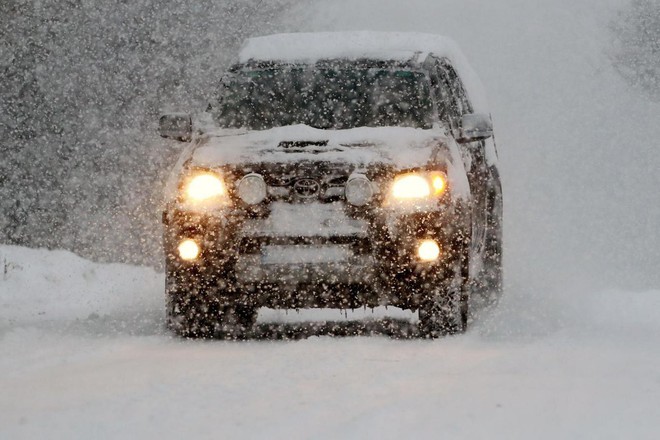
[[104, 367]]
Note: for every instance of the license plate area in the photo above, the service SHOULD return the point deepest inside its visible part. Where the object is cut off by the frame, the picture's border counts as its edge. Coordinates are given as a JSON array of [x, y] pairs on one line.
[[304, 254]]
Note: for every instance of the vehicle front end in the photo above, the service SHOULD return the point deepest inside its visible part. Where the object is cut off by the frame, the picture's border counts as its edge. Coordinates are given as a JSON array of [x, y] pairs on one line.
[[330, 186], [318, 223]]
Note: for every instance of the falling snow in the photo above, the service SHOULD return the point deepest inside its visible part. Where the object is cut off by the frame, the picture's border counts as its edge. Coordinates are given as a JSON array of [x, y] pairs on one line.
[[569, 352]]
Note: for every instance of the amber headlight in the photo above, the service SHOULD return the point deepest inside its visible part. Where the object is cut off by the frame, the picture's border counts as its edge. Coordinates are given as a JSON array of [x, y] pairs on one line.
[[419, 186], [204, 189]]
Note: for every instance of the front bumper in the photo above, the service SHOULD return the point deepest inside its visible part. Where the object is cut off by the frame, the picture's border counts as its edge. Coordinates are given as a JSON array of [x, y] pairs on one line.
[[305, 254], [357, 269]]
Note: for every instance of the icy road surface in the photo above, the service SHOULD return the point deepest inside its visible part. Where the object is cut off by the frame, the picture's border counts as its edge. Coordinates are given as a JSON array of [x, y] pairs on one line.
[[85, 355]]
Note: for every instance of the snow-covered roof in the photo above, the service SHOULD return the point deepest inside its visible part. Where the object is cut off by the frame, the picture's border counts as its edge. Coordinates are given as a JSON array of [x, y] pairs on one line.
[[398, 46], [310, 47]]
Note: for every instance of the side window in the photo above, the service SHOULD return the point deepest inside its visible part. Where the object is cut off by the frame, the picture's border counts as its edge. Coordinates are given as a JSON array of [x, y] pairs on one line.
[[457, 88], [446, 102], [449, 93]]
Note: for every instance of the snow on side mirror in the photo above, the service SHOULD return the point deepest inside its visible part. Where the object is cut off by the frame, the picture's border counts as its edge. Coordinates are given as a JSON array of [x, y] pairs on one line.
[[176, 126], [475, 127]]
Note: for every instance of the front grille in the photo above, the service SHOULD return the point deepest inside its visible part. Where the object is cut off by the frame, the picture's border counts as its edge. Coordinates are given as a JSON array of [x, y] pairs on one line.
[[304, 224], [306, 188], [302, 182]]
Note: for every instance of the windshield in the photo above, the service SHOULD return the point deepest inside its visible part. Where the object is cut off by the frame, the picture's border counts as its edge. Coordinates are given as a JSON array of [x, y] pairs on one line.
[[326, 98]]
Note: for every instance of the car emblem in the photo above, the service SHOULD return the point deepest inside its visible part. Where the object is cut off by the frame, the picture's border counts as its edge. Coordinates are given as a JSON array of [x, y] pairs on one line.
[[306, 188]]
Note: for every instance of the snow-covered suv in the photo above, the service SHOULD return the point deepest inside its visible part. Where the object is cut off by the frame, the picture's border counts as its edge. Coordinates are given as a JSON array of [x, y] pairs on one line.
[[344, 170]]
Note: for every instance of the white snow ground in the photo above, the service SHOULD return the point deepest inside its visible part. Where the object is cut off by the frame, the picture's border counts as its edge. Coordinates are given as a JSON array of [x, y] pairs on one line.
[[85, 355], [83, 352]]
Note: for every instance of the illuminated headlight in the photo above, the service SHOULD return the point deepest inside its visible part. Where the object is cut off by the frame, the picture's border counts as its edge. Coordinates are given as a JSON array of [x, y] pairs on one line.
[[252, 189], [419, 186], [204, 188], [411, 186], [358, 191], [188, 250]]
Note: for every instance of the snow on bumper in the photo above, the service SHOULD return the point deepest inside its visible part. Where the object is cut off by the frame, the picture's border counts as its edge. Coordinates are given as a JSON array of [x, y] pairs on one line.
[[304, 243]]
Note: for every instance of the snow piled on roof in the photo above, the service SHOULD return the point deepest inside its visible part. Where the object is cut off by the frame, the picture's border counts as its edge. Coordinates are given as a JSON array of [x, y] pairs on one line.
[[399, 46]]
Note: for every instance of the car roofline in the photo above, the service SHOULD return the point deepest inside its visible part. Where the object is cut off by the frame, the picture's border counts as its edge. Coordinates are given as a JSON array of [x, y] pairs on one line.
[[414, 63]]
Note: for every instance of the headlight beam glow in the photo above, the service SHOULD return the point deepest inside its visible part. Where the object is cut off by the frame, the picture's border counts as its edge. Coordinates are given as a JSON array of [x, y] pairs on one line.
[[428, 250], [204, 186], [411, 186], [439, 183], [188, 250], [415, 186]]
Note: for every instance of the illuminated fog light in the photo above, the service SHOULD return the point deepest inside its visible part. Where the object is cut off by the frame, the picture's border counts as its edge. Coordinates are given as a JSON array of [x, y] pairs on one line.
[[358, 191], [428, 250], [188, 250], [252, 189]]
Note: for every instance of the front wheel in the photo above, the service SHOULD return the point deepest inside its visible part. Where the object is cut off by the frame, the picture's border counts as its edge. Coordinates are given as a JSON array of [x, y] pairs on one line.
[[488, 285], [445, 310], [195, 309]]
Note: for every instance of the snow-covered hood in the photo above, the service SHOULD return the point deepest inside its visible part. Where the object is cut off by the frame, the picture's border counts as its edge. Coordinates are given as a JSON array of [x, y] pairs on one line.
[[399, 146]]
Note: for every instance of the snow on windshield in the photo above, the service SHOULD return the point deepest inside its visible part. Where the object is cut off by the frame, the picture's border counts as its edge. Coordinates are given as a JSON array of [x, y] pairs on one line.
[[337, 97], [355, 45]]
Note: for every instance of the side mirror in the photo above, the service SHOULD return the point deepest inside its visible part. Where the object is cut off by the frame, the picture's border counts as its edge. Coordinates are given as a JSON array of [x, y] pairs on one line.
[[475, 127], [176, 126]]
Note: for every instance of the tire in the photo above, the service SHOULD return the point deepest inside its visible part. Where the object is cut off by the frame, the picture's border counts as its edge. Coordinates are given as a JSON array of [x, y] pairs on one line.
[[188, 313], [445, 310], [444, 307], [236, 321], [193, 312], [488, 286]]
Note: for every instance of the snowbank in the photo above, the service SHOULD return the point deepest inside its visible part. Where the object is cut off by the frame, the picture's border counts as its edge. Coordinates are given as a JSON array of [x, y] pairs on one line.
[[39, 286]]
